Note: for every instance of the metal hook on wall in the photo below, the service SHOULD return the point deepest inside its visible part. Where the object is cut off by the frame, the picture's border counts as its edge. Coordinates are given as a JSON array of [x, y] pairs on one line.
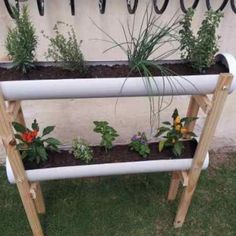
[[183, 8], [72, 5], [9, 7], [162, 9], [40, 4], [131, 9], [102, 6], [221, 8], [233, 6]]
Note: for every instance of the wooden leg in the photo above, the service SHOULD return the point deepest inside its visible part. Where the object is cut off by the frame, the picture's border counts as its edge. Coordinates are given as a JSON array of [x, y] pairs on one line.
[[37, 196], [22, 183], [193, 109], [39, 200], [212, 119], [174, 185]]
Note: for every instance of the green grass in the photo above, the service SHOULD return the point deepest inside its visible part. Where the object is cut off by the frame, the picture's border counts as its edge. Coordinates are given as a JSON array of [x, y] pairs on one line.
[[125, 206]]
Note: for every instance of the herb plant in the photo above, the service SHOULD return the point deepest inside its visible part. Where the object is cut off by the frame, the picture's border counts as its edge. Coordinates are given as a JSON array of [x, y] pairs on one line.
[[21, 41], [81, 150], [201, 49], [139, 144], [175, 133], [32, 146], [108, 133], [66, 49], [144, 46]]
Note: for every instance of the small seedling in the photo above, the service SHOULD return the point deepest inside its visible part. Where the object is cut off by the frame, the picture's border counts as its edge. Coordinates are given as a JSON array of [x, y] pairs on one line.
[[108, 133], [140, 145], [81, 150]]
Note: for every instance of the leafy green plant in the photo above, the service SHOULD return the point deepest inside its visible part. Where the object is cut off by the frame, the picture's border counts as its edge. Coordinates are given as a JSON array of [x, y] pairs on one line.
[[108, 133], [66, 49], [139, 144], [21, 41], [175, 133], [201, 49], [81, 150], [32, 146]]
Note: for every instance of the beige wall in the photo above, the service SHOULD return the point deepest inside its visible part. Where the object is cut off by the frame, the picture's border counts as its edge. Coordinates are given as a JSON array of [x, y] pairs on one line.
[[74, 117], [115, 11]]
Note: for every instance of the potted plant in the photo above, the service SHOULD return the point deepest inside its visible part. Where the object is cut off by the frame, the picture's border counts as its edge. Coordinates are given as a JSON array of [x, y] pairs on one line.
[[44, 161], [144, 74]]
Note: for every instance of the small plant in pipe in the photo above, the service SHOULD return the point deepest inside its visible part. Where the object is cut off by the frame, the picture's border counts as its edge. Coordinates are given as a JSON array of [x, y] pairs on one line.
[[200, 50], [175, 132], [139, 144], [66, 49], [108, 133], [31, 145], [81, 150], [21, 41]]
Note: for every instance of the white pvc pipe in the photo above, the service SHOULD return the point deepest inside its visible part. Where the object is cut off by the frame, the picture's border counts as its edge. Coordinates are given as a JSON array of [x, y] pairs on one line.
[[115, 87], [123, 168]]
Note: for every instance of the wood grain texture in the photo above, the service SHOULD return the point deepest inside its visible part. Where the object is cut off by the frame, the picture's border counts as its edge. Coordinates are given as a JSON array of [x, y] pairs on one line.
[[209, 128], [23, 185]]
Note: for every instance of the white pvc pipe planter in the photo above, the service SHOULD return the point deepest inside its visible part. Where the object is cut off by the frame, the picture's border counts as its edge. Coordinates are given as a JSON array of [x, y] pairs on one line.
[[111, 87], [122, 168], [115, 87]]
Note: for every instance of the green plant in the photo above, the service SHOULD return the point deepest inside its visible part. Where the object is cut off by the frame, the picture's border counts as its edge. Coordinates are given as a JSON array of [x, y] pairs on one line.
[[81, 150], [66, 49], [201, 49], [144, 46], [108, 133], [139, 144], [32, 146], [175, 133], [21, 41]]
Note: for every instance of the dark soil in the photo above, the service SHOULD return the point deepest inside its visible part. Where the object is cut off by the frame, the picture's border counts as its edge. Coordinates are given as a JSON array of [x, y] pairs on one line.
[[119, 153], [101, 71]]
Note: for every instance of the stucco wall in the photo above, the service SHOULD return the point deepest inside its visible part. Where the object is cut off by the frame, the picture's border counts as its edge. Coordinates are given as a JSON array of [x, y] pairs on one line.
[[74, 117]]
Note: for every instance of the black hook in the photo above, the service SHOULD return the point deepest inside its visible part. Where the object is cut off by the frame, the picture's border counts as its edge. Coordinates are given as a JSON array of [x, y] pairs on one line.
[[40, 4], [72, 5], [9, 7], [183, 8], [233, 6], [131, 9], [162, 9], [102, 6], [221, 8]]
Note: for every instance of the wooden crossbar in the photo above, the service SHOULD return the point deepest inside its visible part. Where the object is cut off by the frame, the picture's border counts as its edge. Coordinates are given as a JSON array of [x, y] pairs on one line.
[[203, 102], [37, 196]]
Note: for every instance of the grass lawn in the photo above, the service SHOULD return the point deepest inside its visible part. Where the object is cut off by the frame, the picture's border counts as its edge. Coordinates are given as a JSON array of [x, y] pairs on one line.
[[126, 206]]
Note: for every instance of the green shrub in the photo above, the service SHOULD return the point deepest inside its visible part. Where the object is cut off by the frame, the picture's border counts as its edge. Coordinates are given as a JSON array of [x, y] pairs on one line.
[[201, 49], [108, 133], [81, 150], [21, 41], [140, 145], [66, 49]]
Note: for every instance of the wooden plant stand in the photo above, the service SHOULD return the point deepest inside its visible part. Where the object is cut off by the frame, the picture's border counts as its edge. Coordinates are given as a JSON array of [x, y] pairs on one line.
[[31, 194]]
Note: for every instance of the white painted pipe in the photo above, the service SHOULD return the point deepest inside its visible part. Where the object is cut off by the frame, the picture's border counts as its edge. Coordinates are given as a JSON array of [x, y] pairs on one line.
[[115, 87], [123, 168]]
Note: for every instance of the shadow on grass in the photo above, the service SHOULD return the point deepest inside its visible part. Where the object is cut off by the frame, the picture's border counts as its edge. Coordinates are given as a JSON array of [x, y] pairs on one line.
[[124, 206]]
